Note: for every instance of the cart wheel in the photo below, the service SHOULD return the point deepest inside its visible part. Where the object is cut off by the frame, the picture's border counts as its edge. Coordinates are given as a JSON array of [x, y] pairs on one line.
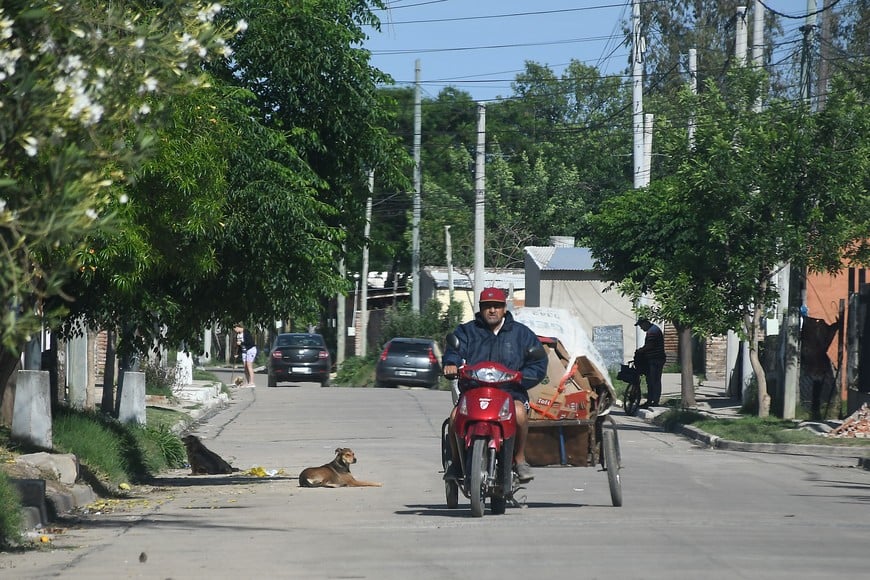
[[612, 464]]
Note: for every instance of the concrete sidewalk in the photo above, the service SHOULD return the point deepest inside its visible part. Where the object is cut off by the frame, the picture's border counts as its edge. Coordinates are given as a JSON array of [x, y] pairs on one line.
[[712, 399]]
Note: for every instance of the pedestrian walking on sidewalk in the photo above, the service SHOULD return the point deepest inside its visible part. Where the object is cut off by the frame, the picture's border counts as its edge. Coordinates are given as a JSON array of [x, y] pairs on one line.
[[653, 354], [247, 350]]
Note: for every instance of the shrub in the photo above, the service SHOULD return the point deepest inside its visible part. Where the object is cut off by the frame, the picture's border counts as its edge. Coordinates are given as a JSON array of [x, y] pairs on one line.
[[159, 380], [10, 513], [431, 322], [356, 371]]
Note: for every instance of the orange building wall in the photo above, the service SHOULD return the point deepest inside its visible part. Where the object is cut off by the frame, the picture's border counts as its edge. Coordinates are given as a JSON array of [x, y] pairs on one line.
[[824, 293]]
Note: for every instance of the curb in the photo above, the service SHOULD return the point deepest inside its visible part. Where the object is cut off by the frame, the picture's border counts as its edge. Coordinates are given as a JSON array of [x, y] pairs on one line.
[[715, 442]]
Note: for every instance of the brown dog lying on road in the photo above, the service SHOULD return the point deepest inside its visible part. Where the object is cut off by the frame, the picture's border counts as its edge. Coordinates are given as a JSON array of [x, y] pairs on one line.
[[336, 473]]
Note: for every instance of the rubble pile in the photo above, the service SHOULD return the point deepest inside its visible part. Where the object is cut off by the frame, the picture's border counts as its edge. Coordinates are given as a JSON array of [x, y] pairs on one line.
[[857, 425]]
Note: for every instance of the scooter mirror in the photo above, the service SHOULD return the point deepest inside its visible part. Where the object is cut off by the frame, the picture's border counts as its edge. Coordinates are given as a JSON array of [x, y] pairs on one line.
[[452, 341]]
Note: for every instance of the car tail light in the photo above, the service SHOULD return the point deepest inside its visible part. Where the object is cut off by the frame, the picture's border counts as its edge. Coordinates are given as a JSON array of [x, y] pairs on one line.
[[276, 353], [384, 354], [323, 354], [432, 359]]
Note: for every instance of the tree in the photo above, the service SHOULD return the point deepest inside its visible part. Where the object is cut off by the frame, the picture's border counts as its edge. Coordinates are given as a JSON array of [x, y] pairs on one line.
[[310, 79], [756, 190], [77, 83]]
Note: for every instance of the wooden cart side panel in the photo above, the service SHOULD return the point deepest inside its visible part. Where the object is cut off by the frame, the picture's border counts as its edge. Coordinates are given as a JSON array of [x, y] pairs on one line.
[[550, 443]]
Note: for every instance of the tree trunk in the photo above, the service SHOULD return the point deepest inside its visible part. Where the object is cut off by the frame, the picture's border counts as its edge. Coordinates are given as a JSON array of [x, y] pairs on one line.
[[753, 328], [107, 402], [10, 362], [687, 374]]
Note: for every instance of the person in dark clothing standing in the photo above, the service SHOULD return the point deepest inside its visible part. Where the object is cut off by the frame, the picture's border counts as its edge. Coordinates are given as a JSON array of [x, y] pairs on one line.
[[653, 352], [494, 335]]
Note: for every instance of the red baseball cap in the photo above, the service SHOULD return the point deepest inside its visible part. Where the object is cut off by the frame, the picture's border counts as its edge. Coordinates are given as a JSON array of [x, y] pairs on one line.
[[492, 295]]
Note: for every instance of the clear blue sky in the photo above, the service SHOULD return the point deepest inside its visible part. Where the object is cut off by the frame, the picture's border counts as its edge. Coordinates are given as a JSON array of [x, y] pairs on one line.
[[479, 46]]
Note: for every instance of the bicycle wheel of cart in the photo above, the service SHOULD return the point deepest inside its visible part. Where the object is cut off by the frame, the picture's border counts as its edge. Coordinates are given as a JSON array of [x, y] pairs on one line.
[[478, 477], [632, 399], [612, 463]]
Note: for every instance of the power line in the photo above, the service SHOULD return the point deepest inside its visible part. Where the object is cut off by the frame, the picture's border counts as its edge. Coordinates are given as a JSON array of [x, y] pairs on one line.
[[799, 16]]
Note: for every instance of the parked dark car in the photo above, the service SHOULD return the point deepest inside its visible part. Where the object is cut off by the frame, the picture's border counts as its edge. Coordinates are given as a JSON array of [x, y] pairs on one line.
[[299, 357], [414, 362]]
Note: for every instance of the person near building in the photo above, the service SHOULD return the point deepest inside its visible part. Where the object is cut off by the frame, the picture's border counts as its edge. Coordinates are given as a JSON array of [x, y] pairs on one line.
[[651, 356], [494, 335]]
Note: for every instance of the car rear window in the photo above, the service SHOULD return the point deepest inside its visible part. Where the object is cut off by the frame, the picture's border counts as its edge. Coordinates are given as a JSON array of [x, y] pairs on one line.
[[409, 348], [299, 340]]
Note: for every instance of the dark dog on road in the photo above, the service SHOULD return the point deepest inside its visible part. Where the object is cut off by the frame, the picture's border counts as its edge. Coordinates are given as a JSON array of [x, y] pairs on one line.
[[202, 460], [336, 473]]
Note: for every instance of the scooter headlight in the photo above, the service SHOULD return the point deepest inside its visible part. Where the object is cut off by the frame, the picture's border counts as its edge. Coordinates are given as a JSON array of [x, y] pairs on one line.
[[491, 375], [506, 410]]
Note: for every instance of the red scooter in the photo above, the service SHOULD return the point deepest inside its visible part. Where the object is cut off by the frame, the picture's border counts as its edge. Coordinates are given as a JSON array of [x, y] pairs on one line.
[[485, 428]]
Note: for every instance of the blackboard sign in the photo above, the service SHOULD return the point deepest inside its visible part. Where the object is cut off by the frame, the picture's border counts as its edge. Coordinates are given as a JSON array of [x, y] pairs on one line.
[[608, 341]]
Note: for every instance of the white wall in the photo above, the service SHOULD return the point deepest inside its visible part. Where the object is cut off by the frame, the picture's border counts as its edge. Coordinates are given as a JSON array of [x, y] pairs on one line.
[[594, 303]]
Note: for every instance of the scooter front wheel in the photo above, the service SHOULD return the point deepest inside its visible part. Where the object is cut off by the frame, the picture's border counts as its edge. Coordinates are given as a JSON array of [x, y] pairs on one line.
[[477, 477]]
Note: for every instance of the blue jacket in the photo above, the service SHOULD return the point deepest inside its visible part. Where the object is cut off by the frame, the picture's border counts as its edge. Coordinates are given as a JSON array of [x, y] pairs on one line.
[[478, 343]]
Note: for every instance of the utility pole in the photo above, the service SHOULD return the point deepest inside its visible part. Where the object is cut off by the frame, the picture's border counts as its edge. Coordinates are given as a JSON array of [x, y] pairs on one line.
[[637, 118], [479, 200], [418, 180], [693, 86], [747, 373], [364, 297], [797, 276], [827, 25], [341, 313], [740, 37], [732, 342], [637, 93], [448, 247]]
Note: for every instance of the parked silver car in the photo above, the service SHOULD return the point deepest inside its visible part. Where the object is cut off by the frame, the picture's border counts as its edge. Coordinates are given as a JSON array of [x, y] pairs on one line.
[[414, 362]]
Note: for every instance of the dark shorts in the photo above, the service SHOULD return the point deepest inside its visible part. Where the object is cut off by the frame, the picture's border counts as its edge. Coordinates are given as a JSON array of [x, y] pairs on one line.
[[518, 395]]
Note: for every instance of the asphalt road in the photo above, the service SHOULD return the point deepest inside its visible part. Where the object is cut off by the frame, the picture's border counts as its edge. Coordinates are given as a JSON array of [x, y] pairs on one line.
[[687, 513]]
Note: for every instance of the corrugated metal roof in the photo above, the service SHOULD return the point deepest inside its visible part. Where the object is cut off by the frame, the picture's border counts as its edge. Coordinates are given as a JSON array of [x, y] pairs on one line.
[[561, 258]]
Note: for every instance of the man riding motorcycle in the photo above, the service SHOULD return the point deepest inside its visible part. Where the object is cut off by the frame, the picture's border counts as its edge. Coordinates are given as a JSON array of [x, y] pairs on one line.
[[495, 336]]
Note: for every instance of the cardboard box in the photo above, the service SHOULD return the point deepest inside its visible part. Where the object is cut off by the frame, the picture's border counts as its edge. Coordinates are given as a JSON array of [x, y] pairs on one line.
[[561, 397]]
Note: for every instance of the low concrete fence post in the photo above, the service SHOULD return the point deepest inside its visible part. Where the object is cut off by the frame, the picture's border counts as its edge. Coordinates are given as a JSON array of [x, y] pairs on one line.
[[132, 404], [31, 412]]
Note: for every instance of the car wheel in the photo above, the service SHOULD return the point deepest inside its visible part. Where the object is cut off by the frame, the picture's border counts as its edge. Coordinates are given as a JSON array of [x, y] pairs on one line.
[[271, 382]]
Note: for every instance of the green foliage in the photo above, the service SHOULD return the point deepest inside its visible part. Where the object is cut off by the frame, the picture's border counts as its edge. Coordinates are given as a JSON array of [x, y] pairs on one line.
[[162, 449], [10, 513], [356, 371], [114, 453], [756, 190], [76, 93], [754, 429], [159, 379], [430, 322]]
